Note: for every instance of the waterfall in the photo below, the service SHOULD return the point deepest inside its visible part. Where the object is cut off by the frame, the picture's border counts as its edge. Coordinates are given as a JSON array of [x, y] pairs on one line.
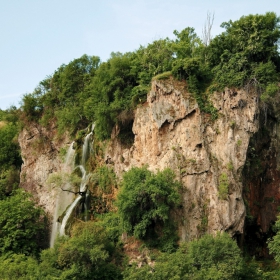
[[86, 149], [69, 158], [68, 214], [63, 199], [83, 192], [55, 224]]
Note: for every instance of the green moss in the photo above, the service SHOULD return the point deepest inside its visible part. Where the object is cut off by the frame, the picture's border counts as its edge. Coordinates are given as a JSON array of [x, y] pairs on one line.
[[232, 124], [202, 227], [62, 153], [105, 178], [223, 186], [239, 142], [230, 166], [163, 76]]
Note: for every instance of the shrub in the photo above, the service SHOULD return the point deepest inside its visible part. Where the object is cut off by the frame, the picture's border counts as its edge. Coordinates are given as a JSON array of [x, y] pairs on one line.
[[105, 178], [223, 186], [21, 223], [208, 258], [145, 201]]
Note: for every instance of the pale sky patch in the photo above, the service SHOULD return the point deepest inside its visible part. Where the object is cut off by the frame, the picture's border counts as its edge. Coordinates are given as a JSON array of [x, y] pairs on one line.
[[38, 36]]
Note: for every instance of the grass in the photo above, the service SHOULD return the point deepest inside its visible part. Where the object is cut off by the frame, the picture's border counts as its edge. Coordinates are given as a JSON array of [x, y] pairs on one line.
[[163, 76]]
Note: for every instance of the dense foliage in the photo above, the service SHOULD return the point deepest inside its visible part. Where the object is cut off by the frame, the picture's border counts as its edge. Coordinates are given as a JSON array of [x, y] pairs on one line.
[[10, 160], [247, 53], [88, 254], [207, 258], [145, 202], [86, 90], [22, 224], [274, 244]]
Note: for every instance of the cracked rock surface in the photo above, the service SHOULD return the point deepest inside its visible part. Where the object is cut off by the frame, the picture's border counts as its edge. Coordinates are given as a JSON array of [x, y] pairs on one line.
[[171, 131]]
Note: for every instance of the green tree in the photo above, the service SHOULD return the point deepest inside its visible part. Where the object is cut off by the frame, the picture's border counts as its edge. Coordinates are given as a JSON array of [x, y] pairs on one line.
[[210, 258], [88, 254], [9, 181], [145, 202], [22, 224], [154, 59], [247, 51], [187, 43], [32, 107], [60, 97], [10, 160], [110, 93], [274, 243], [19, 266], [9, 148]]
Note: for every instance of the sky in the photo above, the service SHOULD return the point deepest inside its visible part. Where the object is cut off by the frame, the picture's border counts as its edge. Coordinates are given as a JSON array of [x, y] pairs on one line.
[[38, 36]]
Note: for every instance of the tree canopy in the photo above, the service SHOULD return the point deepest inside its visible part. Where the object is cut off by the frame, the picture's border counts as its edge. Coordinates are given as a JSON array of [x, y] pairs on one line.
[[22, 225], [87, 90], [210, 258], [247, 52], [145, 202]]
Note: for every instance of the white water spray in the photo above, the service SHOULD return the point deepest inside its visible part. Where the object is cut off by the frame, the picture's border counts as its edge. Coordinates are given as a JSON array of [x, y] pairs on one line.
[[69, 158], [83, 186], [86, 147], [63, 199]]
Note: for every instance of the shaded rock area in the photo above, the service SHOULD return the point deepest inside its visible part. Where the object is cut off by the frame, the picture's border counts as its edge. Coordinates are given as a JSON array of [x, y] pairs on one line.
[[261, 183]]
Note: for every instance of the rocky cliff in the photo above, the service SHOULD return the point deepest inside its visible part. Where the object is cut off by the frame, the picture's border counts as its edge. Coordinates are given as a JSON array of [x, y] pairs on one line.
[[208, 156], [171, 131], [40, 151]]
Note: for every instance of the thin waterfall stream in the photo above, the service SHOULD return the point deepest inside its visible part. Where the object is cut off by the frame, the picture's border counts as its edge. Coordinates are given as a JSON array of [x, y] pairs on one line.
[[65, 193], [63, 199], [82, 193]]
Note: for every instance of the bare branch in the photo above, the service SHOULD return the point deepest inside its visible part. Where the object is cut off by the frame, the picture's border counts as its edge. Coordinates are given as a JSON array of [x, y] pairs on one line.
[[69, 191], [206, 30], [79, 192]]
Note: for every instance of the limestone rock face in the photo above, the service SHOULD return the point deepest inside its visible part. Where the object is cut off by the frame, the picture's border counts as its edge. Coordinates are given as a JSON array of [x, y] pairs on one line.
[[40, 155], [171, 131]]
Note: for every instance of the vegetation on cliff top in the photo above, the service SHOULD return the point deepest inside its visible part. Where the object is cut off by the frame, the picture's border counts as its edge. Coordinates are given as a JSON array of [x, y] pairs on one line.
[[86, 90]]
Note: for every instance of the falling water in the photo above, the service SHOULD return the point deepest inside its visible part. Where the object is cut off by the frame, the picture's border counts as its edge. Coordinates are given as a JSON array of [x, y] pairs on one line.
[[68, 214], [87, 202], [55, 224], [83, 185], [69, 158], [86, 149], [63, 199]]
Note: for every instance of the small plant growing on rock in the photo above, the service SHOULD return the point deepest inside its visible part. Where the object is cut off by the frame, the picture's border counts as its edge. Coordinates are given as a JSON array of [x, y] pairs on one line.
[[239, 142], [223, 186], [191, 160], [217, 130], [230, 166], [232, 124], [62, 153]]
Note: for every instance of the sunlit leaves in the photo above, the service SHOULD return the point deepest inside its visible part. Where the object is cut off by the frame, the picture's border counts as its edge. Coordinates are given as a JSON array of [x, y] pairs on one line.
[[248, 49]]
